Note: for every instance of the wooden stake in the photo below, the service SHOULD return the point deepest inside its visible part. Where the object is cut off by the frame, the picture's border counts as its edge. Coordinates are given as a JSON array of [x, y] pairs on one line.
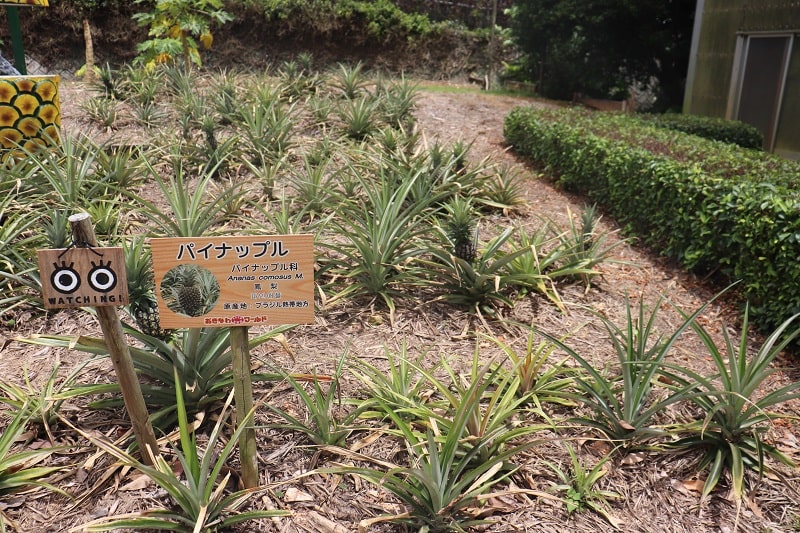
[[83, 234], [88, 75], [490, 78], [243, 396]]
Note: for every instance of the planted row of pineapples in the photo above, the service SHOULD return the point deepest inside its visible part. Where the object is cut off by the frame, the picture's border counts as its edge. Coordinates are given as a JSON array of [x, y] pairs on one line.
[[398, 217], [465, 433], [245, 144], [395, 218]]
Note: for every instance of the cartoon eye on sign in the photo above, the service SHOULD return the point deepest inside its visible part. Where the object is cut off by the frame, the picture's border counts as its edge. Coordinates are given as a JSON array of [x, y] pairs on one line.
[[102, 278], [79, 277], [65, 279]]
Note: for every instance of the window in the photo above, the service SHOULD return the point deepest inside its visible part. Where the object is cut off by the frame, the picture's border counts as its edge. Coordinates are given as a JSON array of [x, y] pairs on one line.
[[758, 81]]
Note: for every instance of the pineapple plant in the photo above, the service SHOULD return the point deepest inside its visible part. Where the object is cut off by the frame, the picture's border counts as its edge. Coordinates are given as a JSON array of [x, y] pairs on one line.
[[215, 153], [209, 126], [461, 228], [589, 220], [107, 83], [143, 306], [437, 158], [460, 151]]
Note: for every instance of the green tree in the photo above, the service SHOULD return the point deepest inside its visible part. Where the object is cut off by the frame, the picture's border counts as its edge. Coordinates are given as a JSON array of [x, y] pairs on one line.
[[600, 47], [176, 26]]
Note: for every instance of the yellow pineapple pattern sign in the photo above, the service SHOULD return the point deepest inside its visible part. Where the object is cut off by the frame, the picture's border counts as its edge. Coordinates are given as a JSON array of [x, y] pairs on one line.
[[42, 3], [30, 115]]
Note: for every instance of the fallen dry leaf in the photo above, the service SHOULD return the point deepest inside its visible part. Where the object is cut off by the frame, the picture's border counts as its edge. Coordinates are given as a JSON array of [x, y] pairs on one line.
[[295, 495], [693, 484], [493, 506], [137, 483], [665, 380], [755, 508], [633, 458], [366, 441], [600, 447]]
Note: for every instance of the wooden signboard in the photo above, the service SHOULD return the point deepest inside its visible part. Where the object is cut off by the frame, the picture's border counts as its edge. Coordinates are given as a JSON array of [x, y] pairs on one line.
[[234, 281], [83, 277]]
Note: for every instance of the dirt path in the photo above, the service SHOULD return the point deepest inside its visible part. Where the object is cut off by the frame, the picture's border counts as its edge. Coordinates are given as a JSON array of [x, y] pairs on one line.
[[477, 118]]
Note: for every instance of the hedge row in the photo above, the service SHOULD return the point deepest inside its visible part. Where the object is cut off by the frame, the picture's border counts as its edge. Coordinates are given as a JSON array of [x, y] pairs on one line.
[[713, 206], [361, 20], [718, 129]]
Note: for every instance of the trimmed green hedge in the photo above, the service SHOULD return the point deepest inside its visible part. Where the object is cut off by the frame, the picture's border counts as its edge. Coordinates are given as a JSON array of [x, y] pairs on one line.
[[718, 129], [710, 205]]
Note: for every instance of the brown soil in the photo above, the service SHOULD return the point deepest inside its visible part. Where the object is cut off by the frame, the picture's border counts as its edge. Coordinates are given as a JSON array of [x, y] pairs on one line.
[[658, 490]]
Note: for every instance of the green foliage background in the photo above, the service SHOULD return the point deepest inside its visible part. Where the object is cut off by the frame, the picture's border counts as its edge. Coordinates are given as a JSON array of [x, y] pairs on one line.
[[598, 47], [375, 31]]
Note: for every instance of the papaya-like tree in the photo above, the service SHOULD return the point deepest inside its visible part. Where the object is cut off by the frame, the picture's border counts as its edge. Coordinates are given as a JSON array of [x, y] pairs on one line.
[[176, 26]]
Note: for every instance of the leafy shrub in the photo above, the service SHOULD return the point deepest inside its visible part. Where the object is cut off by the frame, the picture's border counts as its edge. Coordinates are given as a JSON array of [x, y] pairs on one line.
[[383, 18], [729, 131], [718, 209], [379, 20], [176, 26]]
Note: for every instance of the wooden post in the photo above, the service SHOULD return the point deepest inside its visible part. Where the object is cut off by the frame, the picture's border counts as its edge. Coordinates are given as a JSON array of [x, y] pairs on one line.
[[490, 78], [88, 75], [83, 234], [243, 396]]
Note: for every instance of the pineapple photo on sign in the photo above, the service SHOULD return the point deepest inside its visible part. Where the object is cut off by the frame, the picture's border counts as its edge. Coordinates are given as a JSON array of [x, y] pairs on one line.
[[190, 290]]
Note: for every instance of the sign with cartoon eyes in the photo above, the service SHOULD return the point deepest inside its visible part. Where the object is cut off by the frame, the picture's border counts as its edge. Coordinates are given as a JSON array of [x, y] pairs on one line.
[[83, 277]]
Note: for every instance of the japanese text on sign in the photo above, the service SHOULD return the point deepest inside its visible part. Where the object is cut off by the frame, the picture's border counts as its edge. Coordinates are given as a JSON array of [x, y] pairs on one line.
[[265, 248]]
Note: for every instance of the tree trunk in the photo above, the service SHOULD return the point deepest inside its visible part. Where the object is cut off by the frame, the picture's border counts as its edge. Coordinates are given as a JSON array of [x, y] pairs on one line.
[[187, 59], [88, 74], [490, 78]]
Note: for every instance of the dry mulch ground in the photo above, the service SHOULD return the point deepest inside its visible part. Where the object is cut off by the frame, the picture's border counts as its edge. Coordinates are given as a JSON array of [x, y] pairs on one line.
[[658, 490]]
